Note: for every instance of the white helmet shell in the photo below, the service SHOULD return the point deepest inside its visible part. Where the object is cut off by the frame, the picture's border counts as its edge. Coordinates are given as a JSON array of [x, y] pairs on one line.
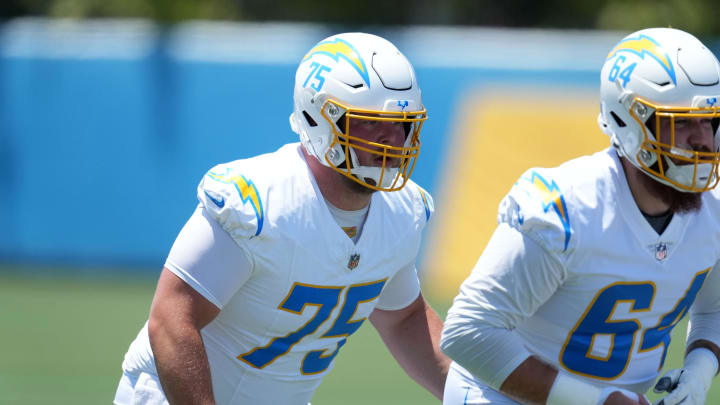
[[660, 72], [356, 75]]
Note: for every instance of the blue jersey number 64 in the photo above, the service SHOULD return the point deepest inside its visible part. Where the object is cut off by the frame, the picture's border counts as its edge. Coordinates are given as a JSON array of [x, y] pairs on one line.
[[576, 354]]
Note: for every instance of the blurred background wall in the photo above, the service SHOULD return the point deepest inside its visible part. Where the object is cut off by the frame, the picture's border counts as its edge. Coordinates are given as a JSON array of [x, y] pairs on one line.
[[111, 112], [106, 126]]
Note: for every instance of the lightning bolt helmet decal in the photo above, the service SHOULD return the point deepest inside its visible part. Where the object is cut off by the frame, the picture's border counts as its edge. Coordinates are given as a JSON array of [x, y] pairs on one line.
[[644, 45], [337, 49]]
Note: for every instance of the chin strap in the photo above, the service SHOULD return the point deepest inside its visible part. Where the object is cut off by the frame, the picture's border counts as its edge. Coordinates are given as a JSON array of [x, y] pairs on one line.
[[368, 172]]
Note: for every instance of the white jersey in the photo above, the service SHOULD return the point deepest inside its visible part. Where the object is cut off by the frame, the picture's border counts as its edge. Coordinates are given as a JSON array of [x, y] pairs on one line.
[[600, 297], [310, 286]]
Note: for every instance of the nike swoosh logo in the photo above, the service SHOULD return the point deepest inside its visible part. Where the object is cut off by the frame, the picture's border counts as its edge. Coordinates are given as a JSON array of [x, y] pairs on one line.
[[220, 203]]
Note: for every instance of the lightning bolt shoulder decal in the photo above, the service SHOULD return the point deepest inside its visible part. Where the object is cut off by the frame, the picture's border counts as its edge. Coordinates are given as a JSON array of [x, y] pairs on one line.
[[551, 197], [644, 45], [425, 203], [247, 191]]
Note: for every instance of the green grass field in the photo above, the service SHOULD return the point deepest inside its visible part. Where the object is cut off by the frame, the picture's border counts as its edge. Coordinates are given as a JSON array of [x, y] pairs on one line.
[[63, 340]]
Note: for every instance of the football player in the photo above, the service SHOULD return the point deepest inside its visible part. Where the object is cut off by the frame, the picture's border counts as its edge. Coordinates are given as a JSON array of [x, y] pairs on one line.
[[594, 262], [289, 252]]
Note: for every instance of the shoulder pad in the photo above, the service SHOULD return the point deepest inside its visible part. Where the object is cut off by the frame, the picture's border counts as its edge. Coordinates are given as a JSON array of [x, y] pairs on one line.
[[537, 206], [233, 200]]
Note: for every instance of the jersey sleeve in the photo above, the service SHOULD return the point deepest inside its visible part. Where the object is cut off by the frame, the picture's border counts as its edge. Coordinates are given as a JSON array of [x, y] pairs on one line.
[[404, 286], [512, 279], [233, 200], [401, 290], [538, 207], [205, 257], [705, 311]]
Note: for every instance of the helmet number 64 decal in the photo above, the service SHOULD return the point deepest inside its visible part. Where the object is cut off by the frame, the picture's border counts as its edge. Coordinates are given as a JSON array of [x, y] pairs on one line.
[[317, 75], [615, 72]]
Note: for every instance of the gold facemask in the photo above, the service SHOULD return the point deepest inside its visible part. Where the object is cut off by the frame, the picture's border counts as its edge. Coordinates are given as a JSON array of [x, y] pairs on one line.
[[698, 170], [398, 162]]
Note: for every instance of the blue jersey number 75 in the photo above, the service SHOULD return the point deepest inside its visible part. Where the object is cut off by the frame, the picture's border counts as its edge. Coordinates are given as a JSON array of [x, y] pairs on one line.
[[325, 299]]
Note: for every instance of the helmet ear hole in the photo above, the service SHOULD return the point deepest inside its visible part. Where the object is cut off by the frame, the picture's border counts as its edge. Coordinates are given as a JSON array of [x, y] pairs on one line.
[[617, 119], [309, 119]]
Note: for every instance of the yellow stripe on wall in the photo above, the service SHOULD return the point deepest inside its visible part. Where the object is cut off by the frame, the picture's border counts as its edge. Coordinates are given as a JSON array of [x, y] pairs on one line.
[[501, 133]]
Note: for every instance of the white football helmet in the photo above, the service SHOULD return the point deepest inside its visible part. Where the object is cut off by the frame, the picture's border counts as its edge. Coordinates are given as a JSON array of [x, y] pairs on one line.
[[358, 76], [654, 74]]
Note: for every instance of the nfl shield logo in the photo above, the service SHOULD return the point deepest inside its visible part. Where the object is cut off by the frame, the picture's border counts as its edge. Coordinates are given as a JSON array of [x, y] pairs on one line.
[[353, 262], [660, 252]]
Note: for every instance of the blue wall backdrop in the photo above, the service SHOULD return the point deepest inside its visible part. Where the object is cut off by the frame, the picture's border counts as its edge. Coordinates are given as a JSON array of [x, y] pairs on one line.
[[107, 127]]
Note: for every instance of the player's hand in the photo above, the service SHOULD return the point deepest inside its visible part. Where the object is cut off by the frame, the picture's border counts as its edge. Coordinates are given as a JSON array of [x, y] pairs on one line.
[[682, 386], [625, 397], [690, 384]]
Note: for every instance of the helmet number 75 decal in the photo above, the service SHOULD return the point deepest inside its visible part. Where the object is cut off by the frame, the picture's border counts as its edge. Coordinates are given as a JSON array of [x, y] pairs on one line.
[[616, 72], [317, 75]]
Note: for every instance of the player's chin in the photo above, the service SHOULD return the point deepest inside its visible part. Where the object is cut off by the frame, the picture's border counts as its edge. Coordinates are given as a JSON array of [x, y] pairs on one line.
[[680, 202], [360, 188]]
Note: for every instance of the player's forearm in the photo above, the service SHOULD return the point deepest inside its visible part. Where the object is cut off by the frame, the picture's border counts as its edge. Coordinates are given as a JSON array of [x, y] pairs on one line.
[[414, 343], [182, 363], [705, 344], [534, 382], [530, 383]]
